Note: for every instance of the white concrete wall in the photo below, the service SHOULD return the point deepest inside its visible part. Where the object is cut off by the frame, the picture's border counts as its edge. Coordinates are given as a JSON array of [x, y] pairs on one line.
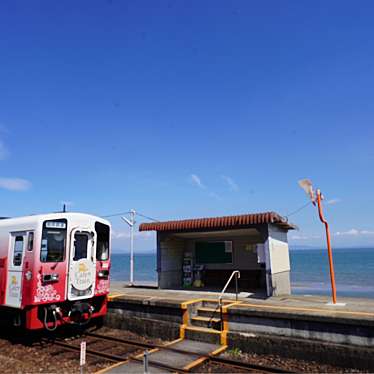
[[277, 262], [171, 262]]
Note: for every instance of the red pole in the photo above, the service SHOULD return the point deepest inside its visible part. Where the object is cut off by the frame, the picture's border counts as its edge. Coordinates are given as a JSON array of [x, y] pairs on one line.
[[322, 218]]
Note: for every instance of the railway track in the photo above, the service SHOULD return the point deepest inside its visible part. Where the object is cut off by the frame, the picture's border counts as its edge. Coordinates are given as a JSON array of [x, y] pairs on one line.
[[117, 350]]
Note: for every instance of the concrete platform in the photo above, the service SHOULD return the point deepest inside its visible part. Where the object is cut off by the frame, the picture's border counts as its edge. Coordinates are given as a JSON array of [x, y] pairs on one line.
[[306, 327], [361, 310]]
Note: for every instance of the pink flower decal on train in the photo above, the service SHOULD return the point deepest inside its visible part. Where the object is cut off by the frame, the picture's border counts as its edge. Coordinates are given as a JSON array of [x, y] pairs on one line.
[[102, 286], [45, 293]]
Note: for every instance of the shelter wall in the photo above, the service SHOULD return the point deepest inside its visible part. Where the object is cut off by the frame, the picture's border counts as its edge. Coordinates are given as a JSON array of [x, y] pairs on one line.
[[170, 262], [277, 262], [172, 250], [244, 253]]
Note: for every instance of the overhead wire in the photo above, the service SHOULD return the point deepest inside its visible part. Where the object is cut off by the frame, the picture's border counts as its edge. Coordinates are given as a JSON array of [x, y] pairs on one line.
[[147, 217], [128, 212], [156, 220], [298, 210], [116, 214]]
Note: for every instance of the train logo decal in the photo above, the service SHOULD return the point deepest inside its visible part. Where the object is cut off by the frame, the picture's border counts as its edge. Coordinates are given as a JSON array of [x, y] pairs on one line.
[[82, 268], [45, 293], [83, 273], [14, 287]]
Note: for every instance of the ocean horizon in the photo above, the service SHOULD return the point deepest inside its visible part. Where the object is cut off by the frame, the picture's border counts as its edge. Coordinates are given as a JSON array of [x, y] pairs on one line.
[[354, 270]]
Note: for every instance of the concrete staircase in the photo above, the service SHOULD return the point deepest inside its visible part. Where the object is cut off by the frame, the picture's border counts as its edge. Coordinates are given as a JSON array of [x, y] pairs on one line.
[[207, 316], [205, 323]]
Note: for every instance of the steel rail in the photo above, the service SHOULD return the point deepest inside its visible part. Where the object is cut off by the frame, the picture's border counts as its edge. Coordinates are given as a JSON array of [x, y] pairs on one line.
[[245, 365], [147, 345], [214, 359], [108, 356], [114, 358], [124, 341]]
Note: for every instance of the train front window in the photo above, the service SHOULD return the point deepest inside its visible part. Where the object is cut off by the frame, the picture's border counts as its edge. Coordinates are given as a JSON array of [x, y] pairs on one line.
[[80, 246], [102, 246], [53, 241]]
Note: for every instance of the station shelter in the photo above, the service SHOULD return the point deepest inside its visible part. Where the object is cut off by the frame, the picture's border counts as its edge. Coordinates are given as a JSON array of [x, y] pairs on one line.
[[202, 253]]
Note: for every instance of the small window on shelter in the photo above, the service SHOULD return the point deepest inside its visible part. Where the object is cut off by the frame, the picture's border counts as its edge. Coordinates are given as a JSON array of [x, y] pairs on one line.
[[18, 250], [30, 242], [217, 252]]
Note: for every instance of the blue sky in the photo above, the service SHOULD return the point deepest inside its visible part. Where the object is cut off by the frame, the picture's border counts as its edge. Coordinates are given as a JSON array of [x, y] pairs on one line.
[[187, 109]]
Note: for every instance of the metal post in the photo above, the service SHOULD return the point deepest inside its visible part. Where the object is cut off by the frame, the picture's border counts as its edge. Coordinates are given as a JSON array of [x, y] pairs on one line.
[[145, 362], [236, 286], [221, 314], [82, 356], [132, 247], [131, 223], [329, 250]]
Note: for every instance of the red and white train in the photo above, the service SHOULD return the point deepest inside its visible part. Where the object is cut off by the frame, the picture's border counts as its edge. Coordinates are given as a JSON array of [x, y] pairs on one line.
[[54, 269]]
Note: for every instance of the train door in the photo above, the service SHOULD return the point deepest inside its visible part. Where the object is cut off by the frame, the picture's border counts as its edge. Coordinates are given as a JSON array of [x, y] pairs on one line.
[[16, 253], [82, 265]]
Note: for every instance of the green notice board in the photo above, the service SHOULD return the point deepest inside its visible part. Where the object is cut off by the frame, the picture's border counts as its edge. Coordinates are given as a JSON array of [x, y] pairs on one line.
[[213, 252]]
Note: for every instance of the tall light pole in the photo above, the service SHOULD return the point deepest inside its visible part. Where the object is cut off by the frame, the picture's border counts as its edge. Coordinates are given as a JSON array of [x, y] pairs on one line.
[[131, 223], [329, 250], [317, 196]]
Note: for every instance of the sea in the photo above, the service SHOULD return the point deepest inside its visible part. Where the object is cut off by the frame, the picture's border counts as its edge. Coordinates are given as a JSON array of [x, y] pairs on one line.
[[354, 271]]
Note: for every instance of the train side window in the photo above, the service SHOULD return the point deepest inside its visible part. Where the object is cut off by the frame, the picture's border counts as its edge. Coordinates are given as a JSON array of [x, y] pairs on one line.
[[18, 250], [30, 242], [102, 246]]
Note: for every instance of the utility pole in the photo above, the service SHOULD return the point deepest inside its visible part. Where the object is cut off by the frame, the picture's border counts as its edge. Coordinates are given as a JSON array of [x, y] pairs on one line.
[[131, 223], [316, 198], [329, 250]]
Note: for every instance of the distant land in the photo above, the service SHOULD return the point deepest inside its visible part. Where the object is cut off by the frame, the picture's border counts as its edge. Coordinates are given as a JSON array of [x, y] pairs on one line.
[[119, 251], [292, 248]]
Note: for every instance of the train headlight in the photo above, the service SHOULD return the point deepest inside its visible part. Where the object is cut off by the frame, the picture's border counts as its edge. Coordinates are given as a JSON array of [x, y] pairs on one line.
[[50, 278], [28, 275], [103, 274]]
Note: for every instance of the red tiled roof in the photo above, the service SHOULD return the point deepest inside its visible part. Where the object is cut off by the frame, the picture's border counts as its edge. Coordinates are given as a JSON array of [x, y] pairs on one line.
[[227, 222]]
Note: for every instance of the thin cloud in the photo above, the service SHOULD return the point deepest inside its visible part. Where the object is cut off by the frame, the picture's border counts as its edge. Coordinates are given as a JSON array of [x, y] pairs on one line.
[[349, 233], [126, 234], [354, 232], [196, 181], [15, 184], [333, 201], [230, 182], [305, 237]]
